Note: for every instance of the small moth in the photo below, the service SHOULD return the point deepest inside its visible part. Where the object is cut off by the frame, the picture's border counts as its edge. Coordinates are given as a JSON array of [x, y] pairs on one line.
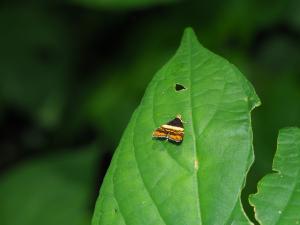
[[173, 131]]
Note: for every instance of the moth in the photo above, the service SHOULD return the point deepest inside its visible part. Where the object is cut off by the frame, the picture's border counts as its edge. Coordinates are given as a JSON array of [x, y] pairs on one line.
[[173, 131]]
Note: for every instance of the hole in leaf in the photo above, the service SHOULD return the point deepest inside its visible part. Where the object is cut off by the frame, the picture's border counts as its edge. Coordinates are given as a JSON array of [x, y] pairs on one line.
[[179, 87]]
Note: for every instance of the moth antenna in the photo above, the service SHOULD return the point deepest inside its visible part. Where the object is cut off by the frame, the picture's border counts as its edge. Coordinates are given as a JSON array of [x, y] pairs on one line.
[[180, 117]]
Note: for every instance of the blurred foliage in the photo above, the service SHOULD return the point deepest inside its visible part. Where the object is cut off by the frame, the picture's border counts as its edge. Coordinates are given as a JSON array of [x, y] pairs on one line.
[[122, 4], [72, 75], [34, 58], [53, 189]]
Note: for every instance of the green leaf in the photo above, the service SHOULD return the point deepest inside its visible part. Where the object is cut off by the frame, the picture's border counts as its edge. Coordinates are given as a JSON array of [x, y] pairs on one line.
[[199, 181], [122, 4], [278, 196], [54, 189]]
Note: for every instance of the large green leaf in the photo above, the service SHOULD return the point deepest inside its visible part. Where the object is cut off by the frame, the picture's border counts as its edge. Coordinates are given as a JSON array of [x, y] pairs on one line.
[[55, 189], [278, 198], [200, 181]]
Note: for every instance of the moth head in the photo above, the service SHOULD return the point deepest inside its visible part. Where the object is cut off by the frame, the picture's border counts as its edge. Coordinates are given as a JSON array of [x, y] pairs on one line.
[[179, 117]]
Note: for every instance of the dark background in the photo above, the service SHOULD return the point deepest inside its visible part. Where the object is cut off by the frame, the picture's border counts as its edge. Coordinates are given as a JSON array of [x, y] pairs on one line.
[[72, 72]]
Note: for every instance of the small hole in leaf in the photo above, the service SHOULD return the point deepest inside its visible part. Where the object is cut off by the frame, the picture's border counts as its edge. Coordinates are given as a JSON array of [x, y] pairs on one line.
[[179, 87]]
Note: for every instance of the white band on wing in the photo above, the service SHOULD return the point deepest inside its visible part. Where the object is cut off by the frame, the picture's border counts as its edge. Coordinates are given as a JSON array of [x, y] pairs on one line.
[[172, 127]]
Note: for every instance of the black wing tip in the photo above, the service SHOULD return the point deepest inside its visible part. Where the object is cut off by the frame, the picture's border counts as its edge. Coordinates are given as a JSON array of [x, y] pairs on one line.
[[177, 122]]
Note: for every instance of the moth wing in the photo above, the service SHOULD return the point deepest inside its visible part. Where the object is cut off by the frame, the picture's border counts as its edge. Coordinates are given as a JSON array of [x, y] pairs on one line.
[[176, 137], [160, 133], [177, 122]]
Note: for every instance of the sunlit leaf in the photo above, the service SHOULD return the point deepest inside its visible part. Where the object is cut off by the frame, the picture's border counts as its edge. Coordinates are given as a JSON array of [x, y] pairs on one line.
[[199, 181]]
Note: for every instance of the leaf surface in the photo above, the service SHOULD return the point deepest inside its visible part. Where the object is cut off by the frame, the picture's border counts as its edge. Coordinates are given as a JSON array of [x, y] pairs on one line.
[[199, 181], [278, 198]]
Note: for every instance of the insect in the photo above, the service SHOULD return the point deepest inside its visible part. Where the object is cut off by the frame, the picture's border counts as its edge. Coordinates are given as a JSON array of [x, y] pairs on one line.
[[173, 131]]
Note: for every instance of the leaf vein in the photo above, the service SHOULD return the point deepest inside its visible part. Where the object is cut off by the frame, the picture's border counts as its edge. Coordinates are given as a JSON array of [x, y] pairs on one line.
[[142, 177], [194, 135]]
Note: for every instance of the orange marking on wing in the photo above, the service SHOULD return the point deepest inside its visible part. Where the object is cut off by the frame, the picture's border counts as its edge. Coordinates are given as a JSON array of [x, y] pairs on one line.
[[177, 137], [160, 133]]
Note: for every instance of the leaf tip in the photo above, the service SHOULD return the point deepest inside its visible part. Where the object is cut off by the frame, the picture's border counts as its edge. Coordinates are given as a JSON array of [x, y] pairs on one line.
[[189, 35], [189, 31]]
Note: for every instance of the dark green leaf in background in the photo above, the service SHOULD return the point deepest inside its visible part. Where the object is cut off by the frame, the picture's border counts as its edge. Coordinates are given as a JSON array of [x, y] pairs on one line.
[[200, 181], [277, 200], [122, 4], [34, 62], [54, 189]]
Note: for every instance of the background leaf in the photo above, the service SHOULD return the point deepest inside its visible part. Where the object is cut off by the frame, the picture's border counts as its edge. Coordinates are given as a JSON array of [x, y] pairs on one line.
[[34, 62], [122, 4], [278, 196], [55, 189], [203, 177]]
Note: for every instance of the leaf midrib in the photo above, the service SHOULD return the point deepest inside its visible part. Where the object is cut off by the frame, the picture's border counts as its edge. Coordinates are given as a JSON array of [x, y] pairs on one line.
[[193, 133]]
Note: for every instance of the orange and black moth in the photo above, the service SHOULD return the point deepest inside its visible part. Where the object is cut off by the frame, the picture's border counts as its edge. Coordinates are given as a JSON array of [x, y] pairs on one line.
[[173, 131]]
